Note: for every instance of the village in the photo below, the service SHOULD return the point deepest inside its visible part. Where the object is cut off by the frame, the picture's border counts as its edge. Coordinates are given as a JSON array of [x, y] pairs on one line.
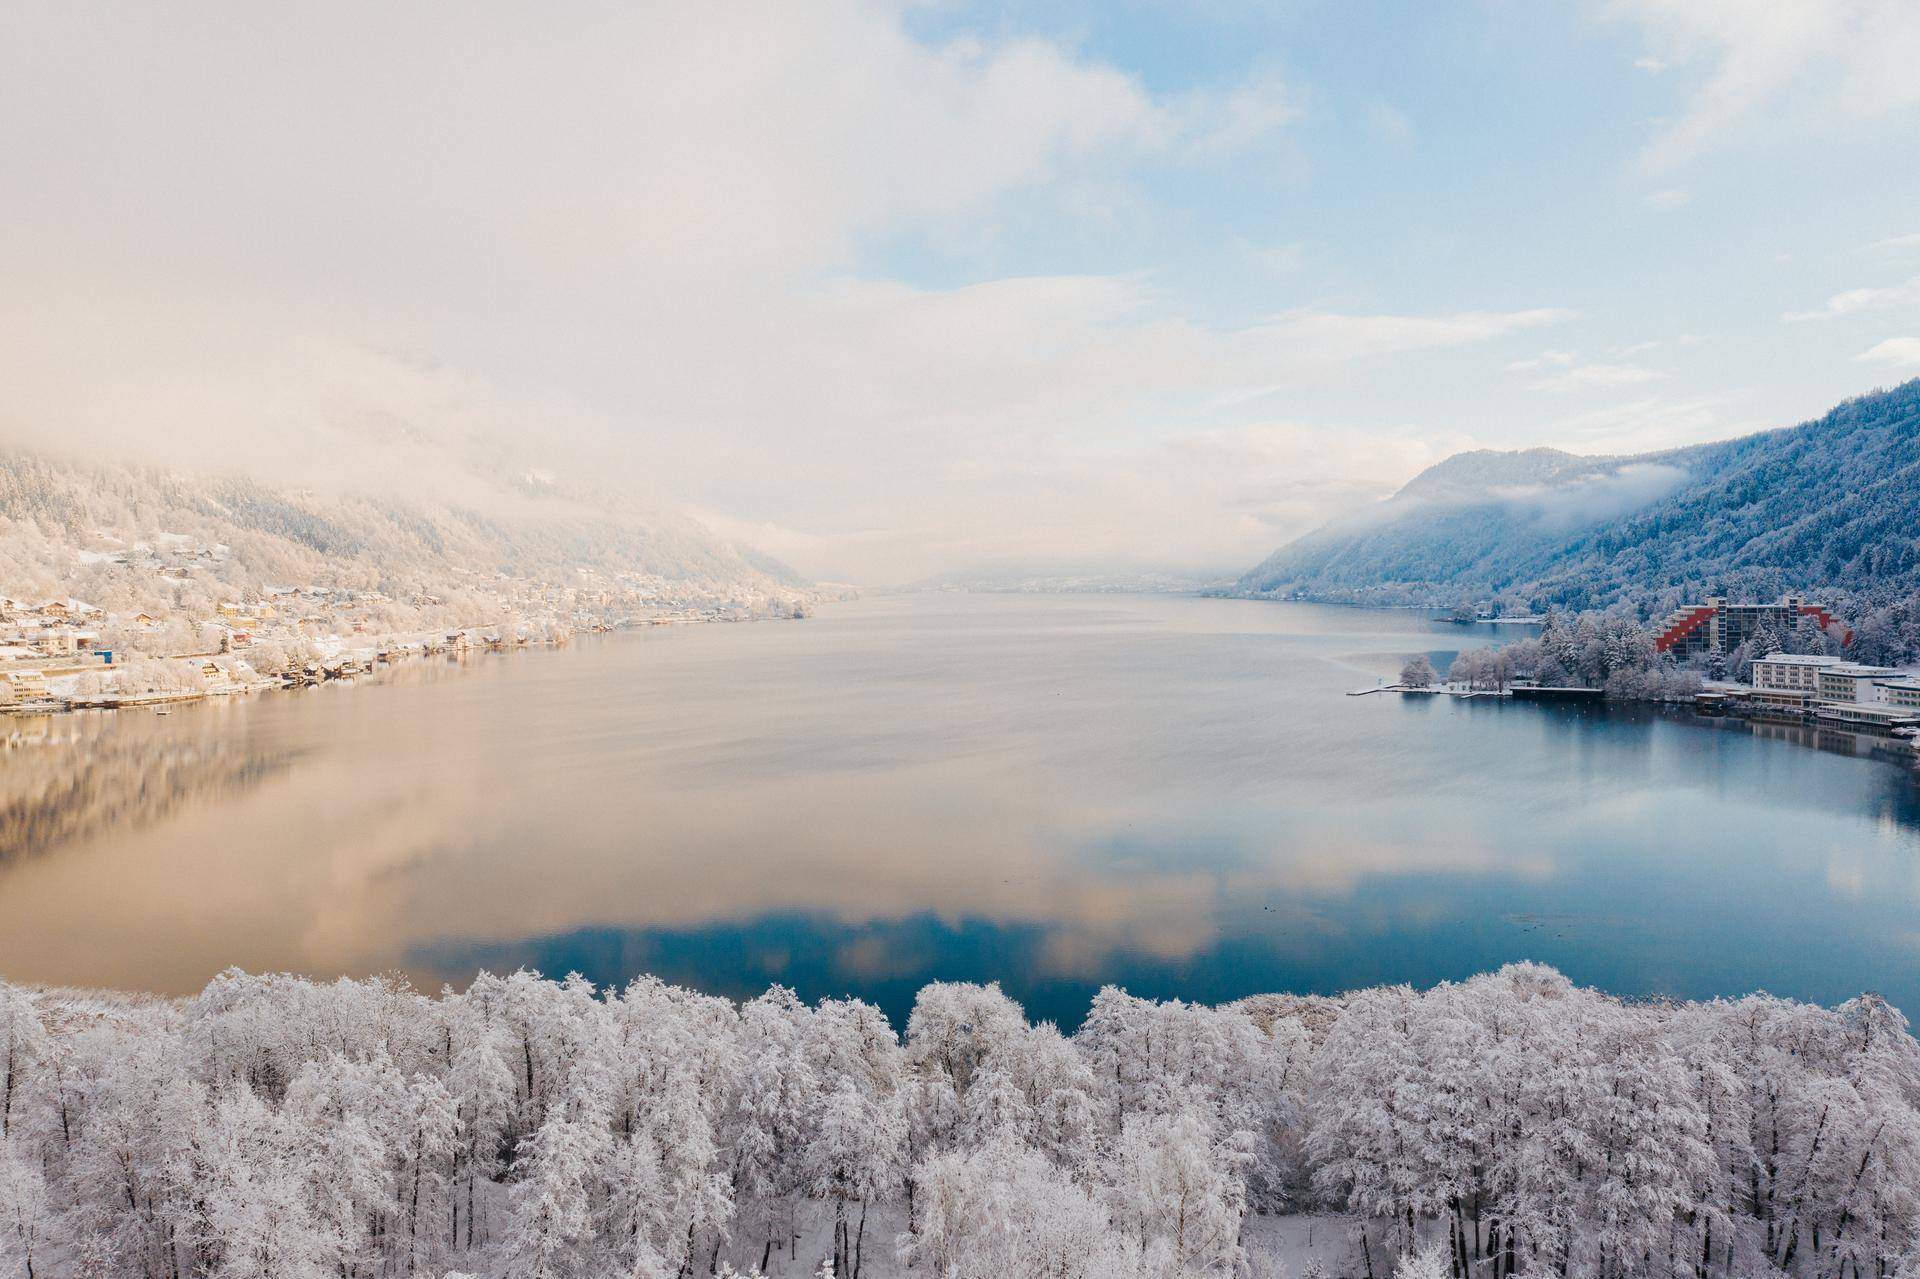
[[68, 653]]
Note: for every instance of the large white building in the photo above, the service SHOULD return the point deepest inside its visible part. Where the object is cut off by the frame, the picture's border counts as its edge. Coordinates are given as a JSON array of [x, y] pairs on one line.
[[1834, 689], [1902, 691], [1852, 682], [1792, 672]]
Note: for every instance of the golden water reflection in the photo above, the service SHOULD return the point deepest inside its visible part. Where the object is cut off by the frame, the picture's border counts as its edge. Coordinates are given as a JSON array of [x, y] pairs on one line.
[[1166, 792]]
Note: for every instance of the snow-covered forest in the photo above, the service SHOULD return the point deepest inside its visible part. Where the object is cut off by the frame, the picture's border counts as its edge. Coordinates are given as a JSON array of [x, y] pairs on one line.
[[1512, 1124], [127, 537], [1611, 651], [1826, 508]]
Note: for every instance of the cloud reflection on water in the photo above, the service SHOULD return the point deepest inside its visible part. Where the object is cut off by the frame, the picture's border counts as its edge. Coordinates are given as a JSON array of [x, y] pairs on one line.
[[1169, 793]]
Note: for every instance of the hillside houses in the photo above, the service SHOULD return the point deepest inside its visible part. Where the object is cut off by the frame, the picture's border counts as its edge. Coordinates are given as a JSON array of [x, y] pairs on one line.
[[70, 651]]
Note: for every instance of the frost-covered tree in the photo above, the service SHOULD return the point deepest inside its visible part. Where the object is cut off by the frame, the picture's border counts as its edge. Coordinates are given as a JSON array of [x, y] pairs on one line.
[[26, 1220], [1003, 1210], [1518, 1124]]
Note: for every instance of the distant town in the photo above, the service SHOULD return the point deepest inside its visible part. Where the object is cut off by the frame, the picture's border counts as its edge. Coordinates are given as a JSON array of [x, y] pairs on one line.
[[69, 653], [1774, 662]]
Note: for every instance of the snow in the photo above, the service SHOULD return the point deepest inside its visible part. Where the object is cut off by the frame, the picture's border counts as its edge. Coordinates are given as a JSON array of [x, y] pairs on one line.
[[526, 1127]]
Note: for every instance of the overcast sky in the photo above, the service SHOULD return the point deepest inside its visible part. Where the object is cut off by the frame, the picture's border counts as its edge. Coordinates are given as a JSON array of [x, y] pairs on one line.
[[893, 290]]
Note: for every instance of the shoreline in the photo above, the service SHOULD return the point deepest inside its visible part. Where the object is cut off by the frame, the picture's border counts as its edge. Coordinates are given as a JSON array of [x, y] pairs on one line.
[[344, 667]]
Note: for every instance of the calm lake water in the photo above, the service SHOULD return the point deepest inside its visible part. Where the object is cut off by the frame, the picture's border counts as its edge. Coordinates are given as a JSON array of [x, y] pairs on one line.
[[1055, 792]]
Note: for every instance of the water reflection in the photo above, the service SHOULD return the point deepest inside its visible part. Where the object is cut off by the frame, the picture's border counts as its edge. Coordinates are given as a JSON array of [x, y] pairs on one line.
[[68, 777], [1057, 793]]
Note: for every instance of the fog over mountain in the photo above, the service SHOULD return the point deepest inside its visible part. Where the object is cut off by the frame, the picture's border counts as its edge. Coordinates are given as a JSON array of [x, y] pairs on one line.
[[895, 291], [1832, 504], [100, 530]]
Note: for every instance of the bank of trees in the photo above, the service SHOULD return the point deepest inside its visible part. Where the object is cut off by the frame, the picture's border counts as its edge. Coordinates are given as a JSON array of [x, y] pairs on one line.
[[1592, 650], [1509, 1125]]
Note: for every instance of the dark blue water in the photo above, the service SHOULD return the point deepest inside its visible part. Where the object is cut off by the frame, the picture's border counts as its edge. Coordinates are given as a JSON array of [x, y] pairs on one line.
[[1053, 792]]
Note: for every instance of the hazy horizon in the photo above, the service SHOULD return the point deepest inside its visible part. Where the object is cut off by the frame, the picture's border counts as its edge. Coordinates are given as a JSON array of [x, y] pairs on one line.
[[893, 291]]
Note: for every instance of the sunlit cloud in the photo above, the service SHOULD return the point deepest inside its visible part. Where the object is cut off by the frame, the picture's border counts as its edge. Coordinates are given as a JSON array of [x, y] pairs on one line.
[[1862, 299], [1778, 63], [1899, 352]]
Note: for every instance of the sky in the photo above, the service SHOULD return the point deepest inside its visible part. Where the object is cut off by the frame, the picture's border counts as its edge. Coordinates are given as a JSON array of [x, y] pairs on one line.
[[901, 290]]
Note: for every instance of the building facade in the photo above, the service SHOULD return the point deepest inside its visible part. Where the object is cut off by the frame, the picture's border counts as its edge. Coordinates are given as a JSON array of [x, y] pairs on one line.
[[1717, 626], [1851, 682], [1903, 691], [1790, 672]]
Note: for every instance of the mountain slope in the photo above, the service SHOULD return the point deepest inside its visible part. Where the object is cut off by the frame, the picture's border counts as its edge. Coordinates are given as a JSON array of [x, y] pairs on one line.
[[69, 527], [1832, 504]]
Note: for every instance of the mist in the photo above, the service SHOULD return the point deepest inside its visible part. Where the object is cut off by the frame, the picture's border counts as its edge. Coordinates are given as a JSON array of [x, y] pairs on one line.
[[882, 290]]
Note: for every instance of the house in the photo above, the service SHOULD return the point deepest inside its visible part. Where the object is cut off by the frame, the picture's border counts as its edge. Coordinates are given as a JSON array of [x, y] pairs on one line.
[[68, 609], [26, 686]]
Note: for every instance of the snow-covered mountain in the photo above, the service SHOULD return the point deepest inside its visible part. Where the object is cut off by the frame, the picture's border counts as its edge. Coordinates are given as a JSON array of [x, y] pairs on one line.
[[100, 528], [1831, 504]]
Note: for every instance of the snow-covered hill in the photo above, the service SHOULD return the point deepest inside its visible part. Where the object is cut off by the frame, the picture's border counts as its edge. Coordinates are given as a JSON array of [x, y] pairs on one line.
[[126, 535], [1832, 504]]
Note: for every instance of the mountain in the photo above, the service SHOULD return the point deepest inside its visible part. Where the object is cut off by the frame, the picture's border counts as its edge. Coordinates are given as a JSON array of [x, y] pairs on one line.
[[1830, 505], [106, 529]]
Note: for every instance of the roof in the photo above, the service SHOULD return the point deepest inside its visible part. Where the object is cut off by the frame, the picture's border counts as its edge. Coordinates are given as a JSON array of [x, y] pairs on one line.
[[1803, 659]]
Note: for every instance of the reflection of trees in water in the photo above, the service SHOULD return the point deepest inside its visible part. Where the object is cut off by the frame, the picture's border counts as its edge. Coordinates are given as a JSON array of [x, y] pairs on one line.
[[61, 784], [64, 778]]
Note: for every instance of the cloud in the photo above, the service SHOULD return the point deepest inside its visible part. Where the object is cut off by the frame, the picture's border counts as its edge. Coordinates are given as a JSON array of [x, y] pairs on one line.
[[1898, 243], [1583, 377], [1212, 501], [1279, 259], [1389, 123], [1569, 373], [1672, 198], [1211, 124], [1055, 421], [1864, 299], [1646, 425], [1899, 352], [1779, 62], [1592, 498], [661, 246]]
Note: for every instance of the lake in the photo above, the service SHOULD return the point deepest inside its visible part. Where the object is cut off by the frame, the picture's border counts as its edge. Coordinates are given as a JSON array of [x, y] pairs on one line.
[[1055, 792]]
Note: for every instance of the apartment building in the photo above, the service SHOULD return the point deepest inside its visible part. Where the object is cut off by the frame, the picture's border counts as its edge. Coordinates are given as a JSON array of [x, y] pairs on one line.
[[1717, 626]]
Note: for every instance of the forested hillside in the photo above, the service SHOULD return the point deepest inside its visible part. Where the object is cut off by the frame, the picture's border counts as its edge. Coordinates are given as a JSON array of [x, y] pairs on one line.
[[1514, 1124], [100, 530], [1831, 507]]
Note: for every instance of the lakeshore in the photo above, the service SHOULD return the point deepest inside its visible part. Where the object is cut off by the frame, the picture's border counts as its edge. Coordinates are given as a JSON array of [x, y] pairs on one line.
[[1055, 792], [39, 679]]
